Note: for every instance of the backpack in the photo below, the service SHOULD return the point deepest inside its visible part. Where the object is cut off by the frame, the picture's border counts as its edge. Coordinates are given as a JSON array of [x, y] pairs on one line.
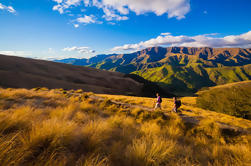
[[160, 100], [178, 103]]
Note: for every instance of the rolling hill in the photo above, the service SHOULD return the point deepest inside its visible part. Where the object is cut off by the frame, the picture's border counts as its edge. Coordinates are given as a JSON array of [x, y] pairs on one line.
[[16, 72], [181, 70], [232, 99]]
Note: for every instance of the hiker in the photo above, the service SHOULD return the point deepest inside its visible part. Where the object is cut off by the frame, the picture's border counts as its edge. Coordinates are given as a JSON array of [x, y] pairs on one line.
[[158, 102], [176, 104]]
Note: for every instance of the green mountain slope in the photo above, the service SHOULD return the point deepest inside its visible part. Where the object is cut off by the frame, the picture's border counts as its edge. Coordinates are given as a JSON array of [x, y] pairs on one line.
[[232, 99], [187, 80], [181, 70]]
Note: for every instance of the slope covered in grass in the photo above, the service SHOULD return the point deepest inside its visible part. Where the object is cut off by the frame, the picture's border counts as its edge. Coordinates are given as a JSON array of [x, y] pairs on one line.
[[233, 99], [17, 72], [189, 79], [188, 108], [56, 127]]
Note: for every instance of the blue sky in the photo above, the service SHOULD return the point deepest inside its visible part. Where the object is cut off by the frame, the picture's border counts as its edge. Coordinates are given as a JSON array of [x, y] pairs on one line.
[[56, 29]]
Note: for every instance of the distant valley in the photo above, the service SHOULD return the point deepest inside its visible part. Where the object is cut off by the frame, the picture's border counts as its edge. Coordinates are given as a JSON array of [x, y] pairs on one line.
[[181, 70]]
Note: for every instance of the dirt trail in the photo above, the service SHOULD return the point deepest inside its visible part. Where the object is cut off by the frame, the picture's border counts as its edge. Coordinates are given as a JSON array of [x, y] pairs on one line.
[[187, 119]]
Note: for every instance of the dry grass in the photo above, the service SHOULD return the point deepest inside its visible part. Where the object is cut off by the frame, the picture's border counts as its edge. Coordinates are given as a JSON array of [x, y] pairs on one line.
[[188, 108], [41, 127]]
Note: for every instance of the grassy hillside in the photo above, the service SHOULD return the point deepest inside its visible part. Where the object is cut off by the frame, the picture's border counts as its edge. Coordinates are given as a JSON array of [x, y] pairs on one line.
[[233, 99], [17, 72], [189, 79], [56, 127], [188, 108]]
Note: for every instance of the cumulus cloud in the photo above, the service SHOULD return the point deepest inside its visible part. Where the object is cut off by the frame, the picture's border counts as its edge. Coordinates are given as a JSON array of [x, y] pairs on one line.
[[110, 15], [86, 19], [206, 40], [81, 50], [7, 8], [62, 5], [117, 10], [174, 8]]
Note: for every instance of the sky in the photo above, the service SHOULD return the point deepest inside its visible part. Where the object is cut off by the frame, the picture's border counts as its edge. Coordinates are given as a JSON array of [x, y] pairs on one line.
[[58, 29]]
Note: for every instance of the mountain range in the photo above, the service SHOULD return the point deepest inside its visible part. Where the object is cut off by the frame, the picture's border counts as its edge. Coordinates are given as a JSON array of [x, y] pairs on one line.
[[181, 70]]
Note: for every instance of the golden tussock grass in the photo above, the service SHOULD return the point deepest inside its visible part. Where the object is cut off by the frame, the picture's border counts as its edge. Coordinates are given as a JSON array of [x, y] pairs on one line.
[[188, 108], [54, 129]]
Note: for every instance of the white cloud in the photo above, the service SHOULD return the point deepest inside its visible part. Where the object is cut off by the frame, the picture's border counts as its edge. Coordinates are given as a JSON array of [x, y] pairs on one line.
[[110, 15], [117, 10], [174, 8], [53, 54], [165, 34], [206, 40], [7, 8], [76, 25], [86, 19], [17, 53], [58, 1], [65, 4], [81, 50], [59, 8]]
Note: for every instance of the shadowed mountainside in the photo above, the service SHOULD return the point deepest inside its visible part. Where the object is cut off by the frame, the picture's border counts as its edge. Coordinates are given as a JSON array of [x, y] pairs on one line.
[[19, 72]]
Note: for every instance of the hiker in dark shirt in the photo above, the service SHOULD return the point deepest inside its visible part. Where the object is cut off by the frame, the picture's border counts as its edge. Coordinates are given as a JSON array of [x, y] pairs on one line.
[[176, 104], [158, 102]]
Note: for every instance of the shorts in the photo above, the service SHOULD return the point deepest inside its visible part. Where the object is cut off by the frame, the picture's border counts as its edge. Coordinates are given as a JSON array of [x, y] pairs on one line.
[[158, 105]]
